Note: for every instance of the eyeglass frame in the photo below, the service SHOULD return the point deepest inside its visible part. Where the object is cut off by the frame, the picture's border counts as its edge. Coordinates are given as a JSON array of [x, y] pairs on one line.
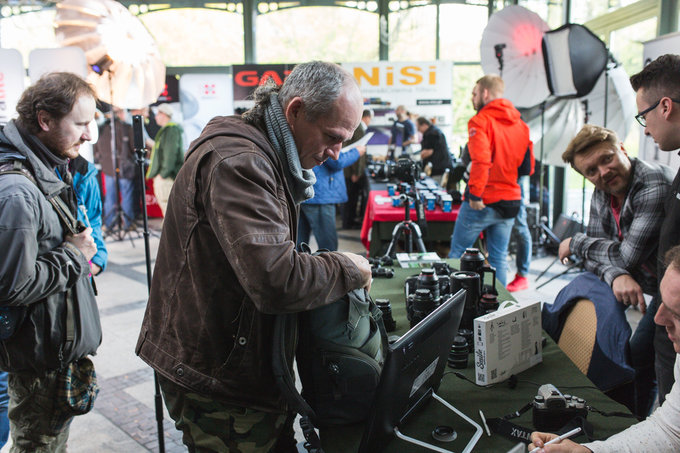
[[640, 117]]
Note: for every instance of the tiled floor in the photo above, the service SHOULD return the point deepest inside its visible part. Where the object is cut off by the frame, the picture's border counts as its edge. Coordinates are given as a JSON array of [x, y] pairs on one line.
[[123, 419]]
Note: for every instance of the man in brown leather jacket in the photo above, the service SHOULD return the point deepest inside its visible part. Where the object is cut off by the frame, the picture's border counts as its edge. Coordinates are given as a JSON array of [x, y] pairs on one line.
[[227, 262]]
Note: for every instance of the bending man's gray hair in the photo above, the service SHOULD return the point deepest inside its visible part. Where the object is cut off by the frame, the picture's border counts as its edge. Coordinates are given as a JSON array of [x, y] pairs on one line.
[[317, 83]]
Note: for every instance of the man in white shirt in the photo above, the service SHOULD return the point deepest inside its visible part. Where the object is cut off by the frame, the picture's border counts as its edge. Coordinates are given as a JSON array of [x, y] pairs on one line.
[[660, 432]]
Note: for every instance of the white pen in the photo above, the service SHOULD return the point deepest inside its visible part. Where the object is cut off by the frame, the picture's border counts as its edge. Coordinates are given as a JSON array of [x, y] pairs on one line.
[[558, 439]]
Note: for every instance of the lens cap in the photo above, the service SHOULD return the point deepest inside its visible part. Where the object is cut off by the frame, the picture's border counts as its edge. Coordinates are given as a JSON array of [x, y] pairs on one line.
[[444, 433]]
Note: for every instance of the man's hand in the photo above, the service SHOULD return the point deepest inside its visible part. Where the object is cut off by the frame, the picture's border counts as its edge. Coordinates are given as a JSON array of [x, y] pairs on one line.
[[628, 292], [361, 149], [364, 268], [84, 242], [477, 205], [564, 250], [538, 440]]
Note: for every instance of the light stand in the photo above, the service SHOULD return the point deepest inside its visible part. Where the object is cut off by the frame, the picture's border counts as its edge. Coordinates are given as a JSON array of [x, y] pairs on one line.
[[118, 231], [140, 155]]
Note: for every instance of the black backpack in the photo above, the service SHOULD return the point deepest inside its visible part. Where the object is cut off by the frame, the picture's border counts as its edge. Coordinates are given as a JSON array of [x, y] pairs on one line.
[[340, 356]]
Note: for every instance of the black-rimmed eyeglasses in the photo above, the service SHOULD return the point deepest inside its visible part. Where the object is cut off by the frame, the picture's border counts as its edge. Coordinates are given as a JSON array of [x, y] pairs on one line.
[[640, 117]]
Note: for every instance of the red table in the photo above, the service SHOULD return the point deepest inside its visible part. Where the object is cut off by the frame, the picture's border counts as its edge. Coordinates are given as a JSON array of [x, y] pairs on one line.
[[380, 219]]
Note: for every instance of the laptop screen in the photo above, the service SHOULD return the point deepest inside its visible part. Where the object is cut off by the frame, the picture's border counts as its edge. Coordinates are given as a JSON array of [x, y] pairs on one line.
[[413, 370]]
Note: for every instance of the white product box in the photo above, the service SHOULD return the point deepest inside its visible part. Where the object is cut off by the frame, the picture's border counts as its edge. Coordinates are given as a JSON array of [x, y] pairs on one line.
[[507, 342]]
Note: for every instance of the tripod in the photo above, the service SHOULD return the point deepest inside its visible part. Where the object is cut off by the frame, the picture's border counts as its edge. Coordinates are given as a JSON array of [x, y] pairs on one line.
[[118, 229], [407, 228]]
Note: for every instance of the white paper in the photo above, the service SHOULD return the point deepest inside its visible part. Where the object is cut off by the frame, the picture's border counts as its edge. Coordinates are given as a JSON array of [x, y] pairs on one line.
[[361, 142]]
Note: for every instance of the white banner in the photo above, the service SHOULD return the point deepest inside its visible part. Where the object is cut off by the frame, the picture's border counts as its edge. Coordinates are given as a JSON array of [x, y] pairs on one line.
[[60, 59], [653, 49], [202, 97], [11, 83], [423, 87]]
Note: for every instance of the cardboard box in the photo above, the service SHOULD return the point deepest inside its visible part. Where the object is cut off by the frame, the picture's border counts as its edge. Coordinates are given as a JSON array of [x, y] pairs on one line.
[[507, 341]]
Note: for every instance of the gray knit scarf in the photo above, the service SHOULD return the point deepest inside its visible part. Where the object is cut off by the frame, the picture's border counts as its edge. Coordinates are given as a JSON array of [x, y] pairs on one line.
[[301, 181]]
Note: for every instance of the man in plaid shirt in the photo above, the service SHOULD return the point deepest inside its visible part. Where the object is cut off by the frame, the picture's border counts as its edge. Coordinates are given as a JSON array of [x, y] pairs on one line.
[[620, 243]]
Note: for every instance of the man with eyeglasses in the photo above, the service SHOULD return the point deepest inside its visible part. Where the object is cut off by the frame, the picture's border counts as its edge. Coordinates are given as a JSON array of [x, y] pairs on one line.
[[658, 102]]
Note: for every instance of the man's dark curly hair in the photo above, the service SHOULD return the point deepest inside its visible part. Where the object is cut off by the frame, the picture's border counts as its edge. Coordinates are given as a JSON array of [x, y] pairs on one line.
[[55, 93], [659, 78]]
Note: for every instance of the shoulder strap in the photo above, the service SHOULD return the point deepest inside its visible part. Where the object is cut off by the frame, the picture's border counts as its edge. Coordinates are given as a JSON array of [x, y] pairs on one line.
[[282, 324], [17, 167]]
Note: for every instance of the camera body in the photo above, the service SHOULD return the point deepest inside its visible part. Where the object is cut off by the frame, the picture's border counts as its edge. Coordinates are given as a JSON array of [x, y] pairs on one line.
[[552, 410], [404, 169], [407, 170]]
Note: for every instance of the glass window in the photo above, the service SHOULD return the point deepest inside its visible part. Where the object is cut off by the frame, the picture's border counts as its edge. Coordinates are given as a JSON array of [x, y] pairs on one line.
[[205, 37], [302, 34], [460, 31], [584, 10], [464, 78], [626, 43], [412, 34], [550, 12]]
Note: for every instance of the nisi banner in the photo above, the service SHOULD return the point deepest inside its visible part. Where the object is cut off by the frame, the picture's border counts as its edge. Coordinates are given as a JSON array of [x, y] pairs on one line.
[[423, 87]]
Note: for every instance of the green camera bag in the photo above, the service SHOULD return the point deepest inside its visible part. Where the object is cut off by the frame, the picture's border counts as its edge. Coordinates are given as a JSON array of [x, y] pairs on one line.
[[340, 357]]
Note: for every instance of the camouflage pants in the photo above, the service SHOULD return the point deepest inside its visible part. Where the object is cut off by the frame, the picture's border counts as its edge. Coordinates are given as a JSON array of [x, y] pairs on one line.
[[212, 426], [31, 412]]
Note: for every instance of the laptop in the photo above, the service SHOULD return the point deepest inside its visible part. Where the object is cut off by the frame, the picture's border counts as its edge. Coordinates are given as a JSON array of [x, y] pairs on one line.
[[413, 370]]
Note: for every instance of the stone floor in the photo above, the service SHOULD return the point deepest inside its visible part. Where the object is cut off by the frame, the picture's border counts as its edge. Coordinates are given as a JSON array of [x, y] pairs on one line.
[[123, 419]]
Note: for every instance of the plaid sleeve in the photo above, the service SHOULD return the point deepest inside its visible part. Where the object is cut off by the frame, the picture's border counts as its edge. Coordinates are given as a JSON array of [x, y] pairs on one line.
[[640, 221]]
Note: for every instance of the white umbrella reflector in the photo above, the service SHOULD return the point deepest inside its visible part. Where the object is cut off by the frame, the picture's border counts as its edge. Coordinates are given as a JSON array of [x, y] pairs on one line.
[[106, 31], [515, 35]]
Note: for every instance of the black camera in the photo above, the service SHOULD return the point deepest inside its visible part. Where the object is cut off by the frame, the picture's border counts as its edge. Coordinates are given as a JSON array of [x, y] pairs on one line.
[[381, 171], [407, 170], [435, 281], [552, 410]]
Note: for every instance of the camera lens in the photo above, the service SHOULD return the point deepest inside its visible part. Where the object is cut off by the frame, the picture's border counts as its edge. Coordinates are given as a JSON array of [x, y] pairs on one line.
[[428, 279], [386, 309], [458, 357], [469, 337], [423, 304]]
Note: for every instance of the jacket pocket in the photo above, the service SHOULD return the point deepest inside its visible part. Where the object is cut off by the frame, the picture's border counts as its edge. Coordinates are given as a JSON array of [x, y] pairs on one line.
[[241, 339]]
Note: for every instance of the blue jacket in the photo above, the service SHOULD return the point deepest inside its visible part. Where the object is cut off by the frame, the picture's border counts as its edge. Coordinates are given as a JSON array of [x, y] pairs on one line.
[[87, 192], [610, 363], [330, 181]]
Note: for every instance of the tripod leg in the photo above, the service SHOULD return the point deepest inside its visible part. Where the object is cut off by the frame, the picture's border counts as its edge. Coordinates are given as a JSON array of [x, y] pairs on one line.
[[546, 269], [393, 243], [419, 237], [564, 272]]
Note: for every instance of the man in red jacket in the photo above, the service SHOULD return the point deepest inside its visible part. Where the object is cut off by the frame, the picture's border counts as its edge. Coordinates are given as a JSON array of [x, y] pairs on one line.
[[500, 151]]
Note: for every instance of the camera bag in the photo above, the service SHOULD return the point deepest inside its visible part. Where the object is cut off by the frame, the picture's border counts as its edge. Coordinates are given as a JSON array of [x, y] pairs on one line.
[[340, 355]]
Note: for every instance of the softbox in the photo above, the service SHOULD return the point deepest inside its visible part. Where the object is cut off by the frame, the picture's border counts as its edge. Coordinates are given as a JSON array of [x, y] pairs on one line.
[[574, 59]]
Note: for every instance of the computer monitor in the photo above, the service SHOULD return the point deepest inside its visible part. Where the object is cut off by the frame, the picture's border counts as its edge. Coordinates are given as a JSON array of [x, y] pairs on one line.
[[413, 370]]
